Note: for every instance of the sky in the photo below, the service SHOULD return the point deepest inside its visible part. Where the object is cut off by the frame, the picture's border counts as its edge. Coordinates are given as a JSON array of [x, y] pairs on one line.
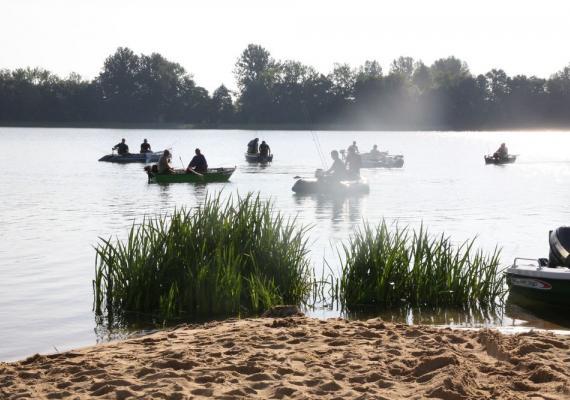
[[207, 37]]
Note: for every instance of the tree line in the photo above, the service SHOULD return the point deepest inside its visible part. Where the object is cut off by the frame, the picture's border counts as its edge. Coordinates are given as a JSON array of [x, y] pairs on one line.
[[142, 89]]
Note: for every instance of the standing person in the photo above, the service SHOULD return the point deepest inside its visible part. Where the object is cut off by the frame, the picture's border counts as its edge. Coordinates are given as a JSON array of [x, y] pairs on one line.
[[121, 148], [198, 163], [264, 149], [252, 146], [502, 152], [145, 147], [164, 163], [354, 162]]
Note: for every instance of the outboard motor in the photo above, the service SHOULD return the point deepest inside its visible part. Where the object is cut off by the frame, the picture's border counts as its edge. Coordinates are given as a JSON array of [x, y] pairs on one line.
[[559, 241]]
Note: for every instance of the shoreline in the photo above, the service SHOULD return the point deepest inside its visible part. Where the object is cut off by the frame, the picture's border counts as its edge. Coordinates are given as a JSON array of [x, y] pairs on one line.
[[301, 357], [322, 127]]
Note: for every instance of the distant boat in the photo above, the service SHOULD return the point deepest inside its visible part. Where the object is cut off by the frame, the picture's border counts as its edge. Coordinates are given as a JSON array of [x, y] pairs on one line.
[[181, 176], [132, 158], [382, 160], [544, 280], [511, 158], [258, 158]]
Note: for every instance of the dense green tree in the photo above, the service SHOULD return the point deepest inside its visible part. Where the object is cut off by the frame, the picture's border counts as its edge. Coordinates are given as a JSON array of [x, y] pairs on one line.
[[143, 88], [222, 105]]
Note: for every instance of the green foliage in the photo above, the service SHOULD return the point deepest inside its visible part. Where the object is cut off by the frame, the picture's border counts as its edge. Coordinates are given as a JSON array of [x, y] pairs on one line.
[[220, 258], [134, 88], [384, 268]]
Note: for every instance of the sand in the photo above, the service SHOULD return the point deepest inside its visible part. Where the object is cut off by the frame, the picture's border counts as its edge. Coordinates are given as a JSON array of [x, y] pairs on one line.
[[299, 357]]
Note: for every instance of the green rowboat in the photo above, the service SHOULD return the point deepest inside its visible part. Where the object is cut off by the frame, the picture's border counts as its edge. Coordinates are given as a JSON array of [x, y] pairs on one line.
[[181, 176]]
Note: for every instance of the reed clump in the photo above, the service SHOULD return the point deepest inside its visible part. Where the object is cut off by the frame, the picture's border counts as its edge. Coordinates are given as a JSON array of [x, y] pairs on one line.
[[385, 268], [221, 258]]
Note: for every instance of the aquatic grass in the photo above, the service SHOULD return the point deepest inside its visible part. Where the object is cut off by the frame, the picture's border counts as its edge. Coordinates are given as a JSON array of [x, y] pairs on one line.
[[386, 268], [221, 258]]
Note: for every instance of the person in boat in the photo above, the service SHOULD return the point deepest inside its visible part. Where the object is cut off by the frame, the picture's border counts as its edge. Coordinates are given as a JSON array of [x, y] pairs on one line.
[[337, 170], [502, 152], [353, 162], [164, 163], [252, 146], [264, 149], [354, 147], [121, 148], [145, 147], [375, 152], [198, 163]]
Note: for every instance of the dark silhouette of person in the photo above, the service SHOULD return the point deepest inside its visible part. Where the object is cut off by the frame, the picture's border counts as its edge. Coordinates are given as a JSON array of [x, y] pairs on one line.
[[337, 170], [198, 163], [502, 152], [353, 162], [252, 146], [145, 147], [264, 149], [121, 148]]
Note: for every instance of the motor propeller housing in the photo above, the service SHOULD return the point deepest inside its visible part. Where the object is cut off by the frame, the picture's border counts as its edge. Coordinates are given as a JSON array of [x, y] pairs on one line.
[[559, 241]]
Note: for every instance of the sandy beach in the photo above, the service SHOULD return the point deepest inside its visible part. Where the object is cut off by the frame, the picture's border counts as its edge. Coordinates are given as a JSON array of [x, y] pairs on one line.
[[299, 357]]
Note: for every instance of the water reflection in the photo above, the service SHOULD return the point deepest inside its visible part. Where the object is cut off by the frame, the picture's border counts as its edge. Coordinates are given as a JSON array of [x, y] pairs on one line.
[[525, 312], [462, 317], [334, 208]]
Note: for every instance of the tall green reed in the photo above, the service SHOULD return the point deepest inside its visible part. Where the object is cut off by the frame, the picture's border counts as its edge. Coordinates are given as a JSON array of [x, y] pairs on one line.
[[384, 268], [221, 258]]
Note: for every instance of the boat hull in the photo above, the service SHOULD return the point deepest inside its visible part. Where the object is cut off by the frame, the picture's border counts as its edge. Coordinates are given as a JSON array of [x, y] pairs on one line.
[[499, 161], [386, 162], [181, 176], [132, 158], [540, 283], [258, 158], [316, 186]]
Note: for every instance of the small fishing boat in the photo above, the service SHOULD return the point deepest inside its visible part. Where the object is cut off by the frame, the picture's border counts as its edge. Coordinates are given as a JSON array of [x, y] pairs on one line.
[[258, 158], [181, 176], [324, 185], [132, 157], [382, 160], [545, 279], [490, 159]]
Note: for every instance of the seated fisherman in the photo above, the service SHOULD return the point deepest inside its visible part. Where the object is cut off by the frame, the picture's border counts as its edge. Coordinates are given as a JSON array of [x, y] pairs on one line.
[[375, 151], [121, 148], [264, 149], [252, 146], [198, 163], [164, 163], [145, 147], [337, 169], [502, 152]]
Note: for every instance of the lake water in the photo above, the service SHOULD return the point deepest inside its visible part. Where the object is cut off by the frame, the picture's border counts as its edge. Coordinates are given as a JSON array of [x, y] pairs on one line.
[[57, 200]]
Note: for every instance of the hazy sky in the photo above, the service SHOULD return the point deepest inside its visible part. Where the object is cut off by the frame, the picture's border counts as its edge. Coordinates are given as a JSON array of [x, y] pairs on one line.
[[206, 37]]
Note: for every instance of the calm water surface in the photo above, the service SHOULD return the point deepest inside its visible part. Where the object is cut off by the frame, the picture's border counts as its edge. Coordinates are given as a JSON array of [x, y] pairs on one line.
[[57, 200]]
